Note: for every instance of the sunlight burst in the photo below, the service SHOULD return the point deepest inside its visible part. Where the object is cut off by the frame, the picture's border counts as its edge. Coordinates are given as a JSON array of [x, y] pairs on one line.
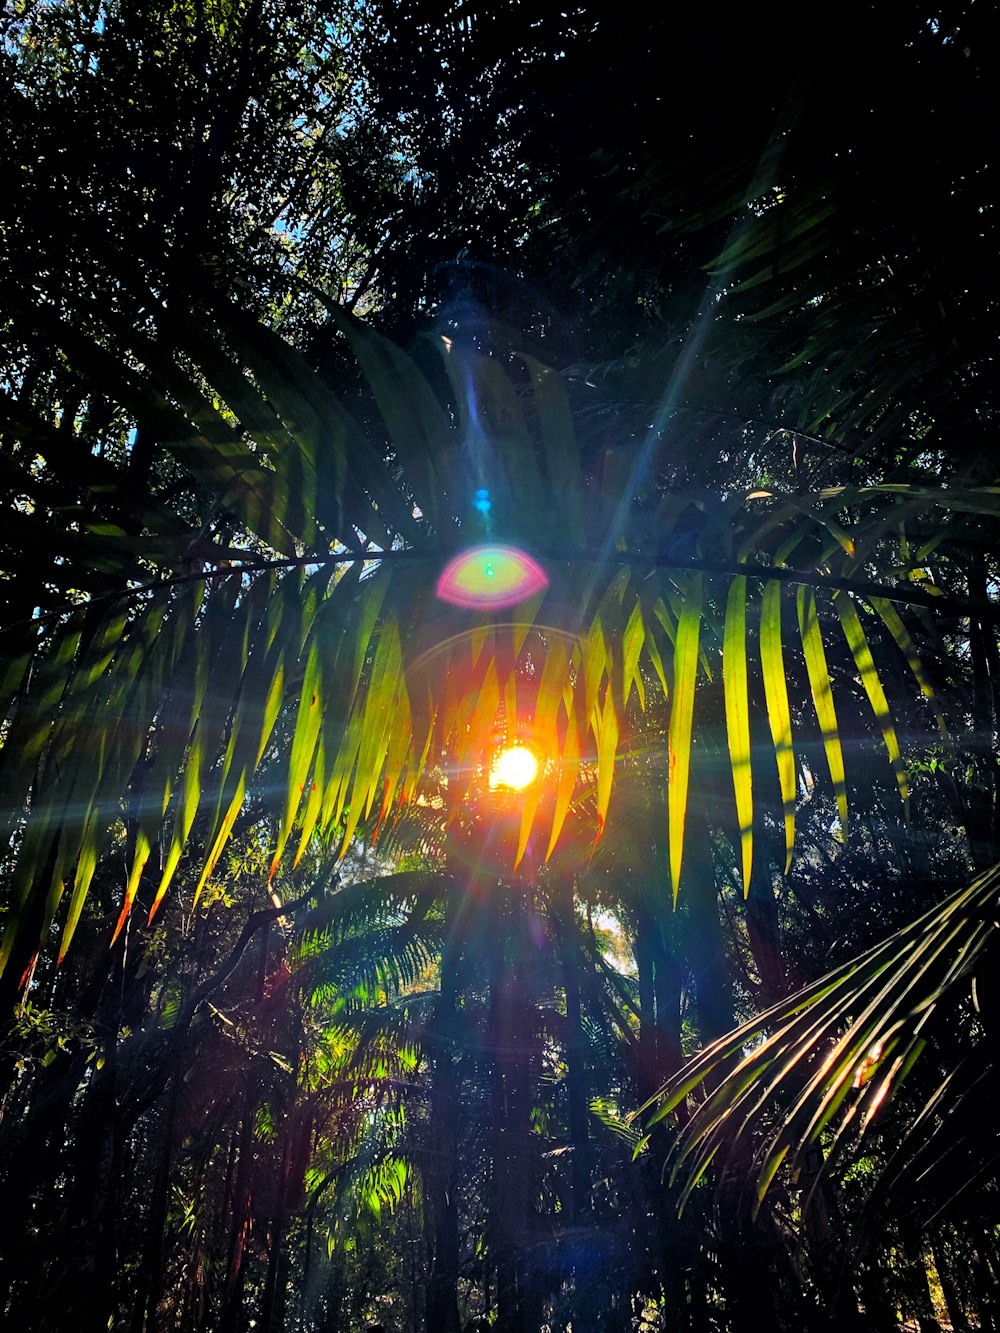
[[514, 768]]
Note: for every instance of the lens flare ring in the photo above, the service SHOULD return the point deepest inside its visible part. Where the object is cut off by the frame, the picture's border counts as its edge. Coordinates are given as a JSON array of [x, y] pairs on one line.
[[485, 577]]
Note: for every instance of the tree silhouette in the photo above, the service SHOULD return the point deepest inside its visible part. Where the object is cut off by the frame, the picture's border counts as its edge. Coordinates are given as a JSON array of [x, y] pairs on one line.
[[764, 546]]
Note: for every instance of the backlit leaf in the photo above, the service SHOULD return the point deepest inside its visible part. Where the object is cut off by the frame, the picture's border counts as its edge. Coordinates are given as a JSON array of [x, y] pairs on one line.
[[569, 768], [901, 634], [822, 693], [861, 652], [778, 712], [681, 721], [607, 748], [734, 676]]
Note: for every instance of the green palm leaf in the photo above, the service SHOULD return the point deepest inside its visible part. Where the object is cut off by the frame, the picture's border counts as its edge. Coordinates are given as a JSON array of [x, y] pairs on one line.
[[734, 675], [681, 721], [822, 693], [377, 687], [831, 1055], [778, 712], [862, 654]]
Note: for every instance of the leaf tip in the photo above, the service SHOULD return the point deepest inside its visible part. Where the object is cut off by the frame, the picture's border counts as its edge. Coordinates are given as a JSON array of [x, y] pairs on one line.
[[126, 908]]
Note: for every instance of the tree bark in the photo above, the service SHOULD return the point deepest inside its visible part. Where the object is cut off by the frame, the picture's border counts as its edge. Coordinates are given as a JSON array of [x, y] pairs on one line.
[[713, 985], [762, 929], [441, 1206], [576, 1073]]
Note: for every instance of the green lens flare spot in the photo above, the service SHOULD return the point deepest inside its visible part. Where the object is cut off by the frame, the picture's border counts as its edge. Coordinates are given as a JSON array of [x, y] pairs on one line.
[[490, 576]]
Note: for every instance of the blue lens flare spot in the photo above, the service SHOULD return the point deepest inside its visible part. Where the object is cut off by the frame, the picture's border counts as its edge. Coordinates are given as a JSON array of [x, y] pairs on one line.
[[490, 576], [482, 500]]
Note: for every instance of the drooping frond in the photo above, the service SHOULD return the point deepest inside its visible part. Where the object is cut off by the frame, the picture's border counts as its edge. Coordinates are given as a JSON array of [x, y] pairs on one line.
[[819, 1066], [308, 650]]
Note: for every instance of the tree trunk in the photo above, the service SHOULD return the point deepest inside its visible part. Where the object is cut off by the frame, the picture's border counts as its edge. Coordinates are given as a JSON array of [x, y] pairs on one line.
[[880, 1308], [147, 1294], [667, 984], [576, 1073], [511, 1040], [762, 929], [232, 1294], [441, 1206], [949, 1289], [713, 985], [980, 795], [915, 1282], [647, 1065], [83, 1295]]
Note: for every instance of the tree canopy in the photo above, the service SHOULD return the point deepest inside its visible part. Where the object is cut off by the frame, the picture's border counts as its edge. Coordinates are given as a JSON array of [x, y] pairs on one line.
[[323, 323]]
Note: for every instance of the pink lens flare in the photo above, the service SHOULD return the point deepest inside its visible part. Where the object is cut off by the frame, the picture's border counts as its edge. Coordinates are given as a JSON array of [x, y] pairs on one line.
[[485, 577]]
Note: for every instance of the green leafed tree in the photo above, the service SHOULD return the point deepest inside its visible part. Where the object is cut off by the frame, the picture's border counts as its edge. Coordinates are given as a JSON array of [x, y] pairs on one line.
[[230, 501], [324, 600]]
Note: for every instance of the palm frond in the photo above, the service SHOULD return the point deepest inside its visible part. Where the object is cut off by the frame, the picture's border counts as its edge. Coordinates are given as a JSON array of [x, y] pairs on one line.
[[161, 702], [817, 1068]]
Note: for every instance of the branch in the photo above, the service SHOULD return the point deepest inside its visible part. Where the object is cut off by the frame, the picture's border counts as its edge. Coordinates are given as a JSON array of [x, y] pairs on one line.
[[963, 608], [157, 1066], [254, 922]]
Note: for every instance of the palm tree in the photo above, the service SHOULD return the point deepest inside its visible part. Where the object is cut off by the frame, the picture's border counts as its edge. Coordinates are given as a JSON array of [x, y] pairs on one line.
[[221, 579], [838, 1050], [331, 611], [310, 644]]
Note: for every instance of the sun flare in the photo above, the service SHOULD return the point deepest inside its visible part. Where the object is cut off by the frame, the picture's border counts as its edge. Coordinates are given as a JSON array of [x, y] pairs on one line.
[[514, 768]]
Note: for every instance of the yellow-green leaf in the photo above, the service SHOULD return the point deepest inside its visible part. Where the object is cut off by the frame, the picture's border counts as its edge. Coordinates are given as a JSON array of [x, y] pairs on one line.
[[304, 738], [85, 866], [632, 641], [607, 748], [861, 652], [569, 767], [734, 677], [778, 712], [906, 646], [681, 721], [822, 693]]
